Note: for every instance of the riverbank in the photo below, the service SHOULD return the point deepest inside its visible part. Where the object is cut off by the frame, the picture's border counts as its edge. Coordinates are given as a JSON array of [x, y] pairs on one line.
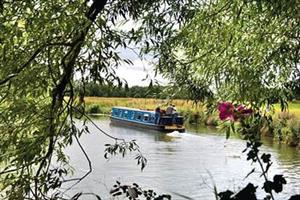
[[285, 127], [104, 104]]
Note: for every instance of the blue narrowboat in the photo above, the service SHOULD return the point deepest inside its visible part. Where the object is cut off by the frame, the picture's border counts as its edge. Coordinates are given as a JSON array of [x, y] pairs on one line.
[[146, 119]]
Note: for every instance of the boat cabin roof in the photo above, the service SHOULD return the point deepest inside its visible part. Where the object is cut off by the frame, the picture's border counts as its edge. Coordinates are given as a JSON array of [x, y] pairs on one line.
[[132, 109]]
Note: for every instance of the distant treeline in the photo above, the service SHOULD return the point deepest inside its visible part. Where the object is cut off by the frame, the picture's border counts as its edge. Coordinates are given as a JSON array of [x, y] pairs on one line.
[[152, 91], [156, 91]]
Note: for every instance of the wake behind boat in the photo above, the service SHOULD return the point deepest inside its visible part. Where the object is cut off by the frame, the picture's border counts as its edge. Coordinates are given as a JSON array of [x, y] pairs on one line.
[[147, 119]]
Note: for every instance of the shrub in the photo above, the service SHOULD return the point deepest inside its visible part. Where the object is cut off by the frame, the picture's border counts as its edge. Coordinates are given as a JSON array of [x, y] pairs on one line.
[[286, 116], [212, 120], [94, 108]]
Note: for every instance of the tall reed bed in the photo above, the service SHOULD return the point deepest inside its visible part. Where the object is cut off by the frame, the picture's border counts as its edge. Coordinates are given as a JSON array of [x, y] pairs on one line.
[[187, 107], [192, 113], [142, 103], [293, 108], [285, 126]]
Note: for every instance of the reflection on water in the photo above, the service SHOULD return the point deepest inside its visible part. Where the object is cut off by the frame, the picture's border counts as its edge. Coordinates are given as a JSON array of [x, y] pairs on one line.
[[185, 164]]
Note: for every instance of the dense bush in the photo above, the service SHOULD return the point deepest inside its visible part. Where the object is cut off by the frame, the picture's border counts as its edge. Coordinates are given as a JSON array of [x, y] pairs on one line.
[[92, 109]]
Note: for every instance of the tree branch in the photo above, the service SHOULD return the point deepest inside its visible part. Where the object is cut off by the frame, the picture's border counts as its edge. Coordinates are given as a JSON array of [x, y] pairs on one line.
[[34, 55]]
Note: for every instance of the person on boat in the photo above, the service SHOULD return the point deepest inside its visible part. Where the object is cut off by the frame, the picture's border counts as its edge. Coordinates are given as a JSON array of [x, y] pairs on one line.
[[169, 110], [174, 109], [174, 114], [157, 115]]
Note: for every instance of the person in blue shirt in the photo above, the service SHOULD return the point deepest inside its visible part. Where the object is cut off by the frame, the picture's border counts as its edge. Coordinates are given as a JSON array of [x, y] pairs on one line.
[[157, 115]]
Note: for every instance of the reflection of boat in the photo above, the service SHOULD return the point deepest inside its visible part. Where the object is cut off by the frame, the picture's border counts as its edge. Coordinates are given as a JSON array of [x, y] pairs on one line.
[[146, 119]]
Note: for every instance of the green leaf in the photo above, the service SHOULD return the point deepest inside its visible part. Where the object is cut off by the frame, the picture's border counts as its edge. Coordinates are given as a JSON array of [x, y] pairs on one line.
[[227, 132]]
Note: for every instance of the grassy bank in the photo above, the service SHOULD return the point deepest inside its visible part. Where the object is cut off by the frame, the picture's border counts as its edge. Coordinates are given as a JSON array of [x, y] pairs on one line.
[[285, 127], [191, 112], [104, 104], [293, 109]]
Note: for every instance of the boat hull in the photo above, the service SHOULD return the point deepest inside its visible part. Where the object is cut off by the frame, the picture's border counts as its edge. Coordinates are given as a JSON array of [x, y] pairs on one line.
[[156, 127]]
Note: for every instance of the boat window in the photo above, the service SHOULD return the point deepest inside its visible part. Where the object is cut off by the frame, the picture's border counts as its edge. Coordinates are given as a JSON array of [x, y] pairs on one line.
[[146, 117], [139, 116], [115, 112], [152, 118], [129, 114], [126, 113]]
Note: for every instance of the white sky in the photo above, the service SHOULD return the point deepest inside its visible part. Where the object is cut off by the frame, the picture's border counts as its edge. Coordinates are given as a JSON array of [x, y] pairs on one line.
[[141, 72], [141, 69], [136, 73]]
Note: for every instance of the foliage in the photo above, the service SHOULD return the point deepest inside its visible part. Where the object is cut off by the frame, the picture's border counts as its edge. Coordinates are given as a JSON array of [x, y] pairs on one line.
[[294, 86], [123, 148], [134, 191], [244, 51], [92, 109], [249, 127], [109, 90], [44, 45], [246, 193], [183, 106], [286, 129]]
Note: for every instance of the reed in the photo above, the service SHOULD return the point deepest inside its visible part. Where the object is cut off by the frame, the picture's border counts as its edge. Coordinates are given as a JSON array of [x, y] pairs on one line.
[[293, 108], [184, 106], [142, 103], [286, 124]]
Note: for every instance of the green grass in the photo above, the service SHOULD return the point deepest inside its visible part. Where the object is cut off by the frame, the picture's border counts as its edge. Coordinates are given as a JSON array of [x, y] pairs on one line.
[[293, 109], [187, 108], [195, 114], [142, 103]]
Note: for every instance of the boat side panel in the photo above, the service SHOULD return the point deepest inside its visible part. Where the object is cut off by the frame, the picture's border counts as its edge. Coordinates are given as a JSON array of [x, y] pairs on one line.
[[134, 121], [131, 123], [134, 115], [144, 119]]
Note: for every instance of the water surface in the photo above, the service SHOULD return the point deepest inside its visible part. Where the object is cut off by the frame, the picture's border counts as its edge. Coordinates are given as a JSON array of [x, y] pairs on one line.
[[187, 164]]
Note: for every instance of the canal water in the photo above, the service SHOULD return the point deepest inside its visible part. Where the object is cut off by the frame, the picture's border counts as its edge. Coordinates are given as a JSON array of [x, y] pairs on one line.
[[184, 165]]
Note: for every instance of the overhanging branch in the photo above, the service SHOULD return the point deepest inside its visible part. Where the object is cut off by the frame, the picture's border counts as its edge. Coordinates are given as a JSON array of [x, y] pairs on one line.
[[28, 62]]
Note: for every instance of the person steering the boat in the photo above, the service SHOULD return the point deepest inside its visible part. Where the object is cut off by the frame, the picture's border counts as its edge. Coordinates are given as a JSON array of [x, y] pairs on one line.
[[174, 114], [157, 115]]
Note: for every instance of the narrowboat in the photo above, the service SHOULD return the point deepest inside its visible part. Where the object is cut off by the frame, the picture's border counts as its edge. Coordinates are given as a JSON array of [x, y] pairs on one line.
[[146, 119]]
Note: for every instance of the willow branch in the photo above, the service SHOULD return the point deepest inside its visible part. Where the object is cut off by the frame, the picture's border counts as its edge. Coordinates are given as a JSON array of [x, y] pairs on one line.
[[264, 173], [32, 58], [78, 180], [102, 131]]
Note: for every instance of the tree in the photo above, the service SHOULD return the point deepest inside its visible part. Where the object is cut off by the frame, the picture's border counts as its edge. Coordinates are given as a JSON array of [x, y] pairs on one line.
[[294, 86], [243, 51], [44, 45]]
